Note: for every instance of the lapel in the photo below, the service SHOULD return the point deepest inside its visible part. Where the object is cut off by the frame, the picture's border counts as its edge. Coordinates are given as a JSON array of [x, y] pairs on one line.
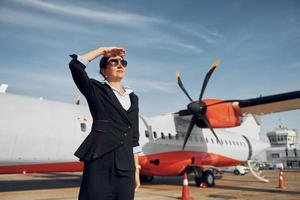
[[134, 103], [115, 102]]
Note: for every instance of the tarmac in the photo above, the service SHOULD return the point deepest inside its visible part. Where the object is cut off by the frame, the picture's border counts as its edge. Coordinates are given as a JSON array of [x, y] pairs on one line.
[[65, 186]]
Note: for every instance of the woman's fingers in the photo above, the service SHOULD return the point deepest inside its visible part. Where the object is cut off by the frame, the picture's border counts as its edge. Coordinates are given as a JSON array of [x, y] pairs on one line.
[[137, 185], [137, 180], [114, 51]]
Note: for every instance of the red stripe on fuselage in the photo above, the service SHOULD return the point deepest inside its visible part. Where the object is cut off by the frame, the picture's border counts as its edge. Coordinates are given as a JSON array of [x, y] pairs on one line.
[[43, 168], [170, 164]]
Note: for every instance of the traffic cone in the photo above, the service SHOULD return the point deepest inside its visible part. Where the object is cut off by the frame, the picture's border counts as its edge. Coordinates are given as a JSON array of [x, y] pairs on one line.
[[280, 180], [185, 189]]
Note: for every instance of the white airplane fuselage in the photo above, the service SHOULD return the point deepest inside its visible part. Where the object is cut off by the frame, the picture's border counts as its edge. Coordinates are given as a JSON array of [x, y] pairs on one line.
[[35, 131]]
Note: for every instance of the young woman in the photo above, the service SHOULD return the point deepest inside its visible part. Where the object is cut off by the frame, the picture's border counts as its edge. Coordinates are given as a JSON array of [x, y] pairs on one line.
[[109, 152]]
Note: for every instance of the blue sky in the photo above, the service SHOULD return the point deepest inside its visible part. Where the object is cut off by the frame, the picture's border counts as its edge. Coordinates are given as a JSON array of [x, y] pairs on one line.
[[258, 43]]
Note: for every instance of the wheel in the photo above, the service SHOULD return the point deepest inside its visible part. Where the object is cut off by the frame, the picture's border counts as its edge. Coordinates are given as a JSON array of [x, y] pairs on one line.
[[236, 172], [146, 179], [209, 178]]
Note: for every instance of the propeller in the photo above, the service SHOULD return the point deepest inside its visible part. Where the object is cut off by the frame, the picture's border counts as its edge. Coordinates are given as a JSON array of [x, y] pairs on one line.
[[198, 108]]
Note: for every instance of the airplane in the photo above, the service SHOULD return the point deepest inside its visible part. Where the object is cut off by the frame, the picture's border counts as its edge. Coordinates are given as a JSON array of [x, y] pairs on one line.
[[40, 135]]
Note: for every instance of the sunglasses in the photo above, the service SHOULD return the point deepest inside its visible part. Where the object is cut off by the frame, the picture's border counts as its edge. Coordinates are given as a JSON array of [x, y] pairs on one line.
[[115, 62]]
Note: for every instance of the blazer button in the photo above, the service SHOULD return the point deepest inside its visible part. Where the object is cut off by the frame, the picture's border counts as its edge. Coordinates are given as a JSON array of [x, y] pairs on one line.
[[129, 126], [121, 142], [125, 134]]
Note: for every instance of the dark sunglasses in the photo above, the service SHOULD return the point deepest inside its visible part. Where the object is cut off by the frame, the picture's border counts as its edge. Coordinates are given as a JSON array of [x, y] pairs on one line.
[[115, 62]]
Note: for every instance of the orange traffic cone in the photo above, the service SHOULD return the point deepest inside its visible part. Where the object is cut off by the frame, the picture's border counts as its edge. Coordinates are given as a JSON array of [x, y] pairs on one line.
[[185, 189], [280, 180]]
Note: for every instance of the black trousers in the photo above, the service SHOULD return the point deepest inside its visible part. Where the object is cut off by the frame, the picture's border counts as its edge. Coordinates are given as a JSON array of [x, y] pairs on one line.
[[102, 181]]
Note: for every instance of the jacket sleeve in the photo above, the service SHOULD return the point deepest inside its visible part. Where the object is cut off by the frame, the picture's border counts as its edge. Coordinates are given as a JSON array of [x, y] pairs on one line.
[[136, 135], [80, 77]]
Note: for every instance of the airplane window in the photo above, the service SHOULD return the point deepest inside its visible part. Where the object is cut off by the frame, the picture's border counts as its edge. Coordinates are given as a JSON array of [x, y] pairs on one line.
[[170, 136], [206, 140], [237, 143], [146, 133], [229, 142], [162, 135], [201, 138], [83, 126], [212, 141], [154, 134], [221, 141], [226, 142], [177, 136], [233, 142]]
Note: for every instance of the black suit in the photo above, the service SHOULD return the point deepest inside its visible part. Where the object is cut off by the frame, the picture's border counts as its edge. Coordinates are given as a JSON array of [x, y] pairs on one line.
[[108, 150]]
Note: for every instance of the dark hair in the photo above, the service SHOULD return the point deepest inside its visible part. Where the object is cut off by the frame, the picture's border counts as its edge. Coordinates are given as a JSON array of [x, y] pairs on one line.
[[103, 64]]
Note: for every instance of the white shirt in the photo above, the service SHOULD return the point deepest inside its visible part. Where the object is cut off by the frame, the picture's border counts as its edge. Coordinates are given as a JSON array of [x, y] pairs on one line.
[[124, 98]]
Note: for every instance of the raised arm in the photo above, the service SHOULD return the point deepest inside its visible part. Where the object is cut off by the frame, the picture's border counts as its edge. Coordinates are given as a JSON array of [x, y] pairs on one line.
[[105, 51], [77, 67]]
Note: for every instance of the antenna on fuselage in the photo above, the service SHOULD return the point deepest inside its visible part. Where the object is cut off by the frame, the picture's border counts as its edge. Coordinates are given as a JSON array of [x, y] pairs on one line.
[[77, 101]]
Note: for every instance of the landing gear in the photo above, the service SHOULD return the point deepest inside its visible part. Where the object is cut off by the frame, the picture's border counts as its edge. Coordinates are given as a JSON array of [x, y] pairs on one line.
[[204, 177], [146, 179], [198, 177], [209, 178], [236, 172]]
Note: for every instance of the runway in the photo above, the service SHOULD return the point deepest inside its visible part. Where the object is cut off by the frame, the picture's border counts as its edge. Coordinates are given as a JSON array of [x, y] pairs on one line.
[[65, 186]]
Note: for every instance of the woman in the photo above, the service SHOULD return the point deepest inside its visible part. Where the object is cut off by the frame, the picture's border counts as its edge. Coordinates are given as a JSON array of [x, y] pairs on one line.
[[109, 152]]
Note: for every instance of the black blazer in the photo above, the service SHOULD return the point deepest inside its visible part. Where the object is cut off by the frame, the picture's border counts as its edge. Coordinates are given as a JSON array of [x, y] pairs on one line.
[[114, 128]]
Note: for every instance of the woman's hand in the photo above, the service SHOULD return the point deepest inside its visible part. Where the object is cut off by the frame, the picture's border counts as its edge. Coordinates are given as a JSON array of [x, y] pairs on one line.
[[105, 51], [113, 51], [137, 179]]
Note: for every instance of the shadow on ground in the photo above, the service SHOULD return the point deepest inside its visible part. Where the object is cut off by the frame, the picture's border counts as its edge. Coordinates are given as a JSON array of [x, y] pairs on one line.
[[48, 181]]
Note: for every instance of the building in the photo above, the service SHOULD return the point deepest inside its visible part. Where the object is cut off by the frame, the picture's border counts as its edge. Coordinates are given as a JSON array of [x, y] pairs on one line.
[[284, 148]]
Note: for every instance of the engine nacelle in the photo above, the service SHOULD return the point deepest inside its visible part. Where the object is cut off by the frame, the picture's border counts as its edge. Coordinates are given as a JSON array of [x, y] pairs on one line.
[[222, 115]]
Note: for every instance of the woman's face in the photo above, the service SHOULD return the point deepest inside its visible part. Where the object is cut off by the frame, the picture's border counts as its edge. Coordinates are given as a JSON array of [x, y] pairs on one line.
[[115, 69]]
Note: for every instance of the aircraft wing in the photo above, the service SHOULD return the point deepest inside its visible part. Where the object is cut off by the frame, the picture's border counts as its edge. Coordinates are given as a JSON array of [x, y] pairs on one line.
[[270, 104]]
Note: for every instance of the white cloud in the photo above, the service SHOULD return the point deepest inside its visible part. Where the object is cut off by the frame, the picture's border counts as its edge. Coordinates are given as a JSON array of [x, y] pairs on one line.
[[111, 16], [179, 47], [198, 31], [151, 32], [35, 21], [145, 85], [36, 76]]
